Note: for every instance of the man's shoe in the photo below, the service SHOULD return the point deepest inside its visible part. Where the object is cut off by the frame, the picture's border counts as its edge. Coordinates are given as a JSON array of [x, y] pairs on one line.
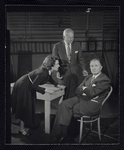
[[65, 140], [55, 139], [61, 139]]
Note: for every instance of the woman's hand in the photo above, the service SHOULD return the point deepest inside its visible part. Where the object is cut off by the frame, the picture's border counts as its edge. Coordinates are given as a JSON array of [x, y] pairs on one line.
[[61, 86], [58, 76], [49, 91], [85, 73]]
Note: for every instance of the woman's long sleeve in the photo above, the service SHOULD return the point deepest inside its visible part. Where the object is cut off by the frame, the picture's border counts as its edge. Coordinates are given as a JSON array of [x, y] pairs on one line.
[[53, 81], [38, 81]]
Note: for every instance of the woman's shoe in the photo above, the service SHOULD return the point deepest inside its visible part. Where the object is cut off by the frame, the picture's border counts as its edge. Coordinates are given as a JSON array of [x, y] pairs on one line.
[[24, 132]]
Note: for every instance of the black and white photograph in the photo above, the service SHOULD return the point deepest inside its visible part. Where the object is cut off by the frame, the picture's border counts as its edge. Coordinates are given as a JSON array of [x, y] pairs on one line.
[[63, 83]]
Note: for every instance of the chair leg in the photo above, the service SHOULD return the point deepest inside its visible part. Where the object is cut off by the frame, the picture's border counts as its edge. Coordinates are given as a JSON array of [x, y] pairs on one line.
[[99, 132], [91, 124], [81, 130]]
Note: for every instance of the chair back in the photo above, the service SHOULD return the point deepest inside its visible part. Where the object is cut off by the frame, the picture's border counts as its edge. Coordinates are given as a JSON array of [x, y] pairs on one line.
[[107, 95]]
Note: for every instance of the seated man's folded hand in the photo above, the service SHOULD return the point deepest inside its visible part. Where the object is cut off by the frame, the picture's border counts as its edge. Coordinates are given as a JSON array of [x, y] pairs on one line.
[[84, 87], [96, 97], [84, 94], [93, 85], [78, 91]]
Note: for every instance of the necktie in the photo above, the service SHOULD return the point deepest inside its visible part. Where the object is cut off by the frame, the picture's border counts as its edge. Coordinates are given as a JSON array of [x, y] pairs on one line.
[[68, 52], [92, 79]]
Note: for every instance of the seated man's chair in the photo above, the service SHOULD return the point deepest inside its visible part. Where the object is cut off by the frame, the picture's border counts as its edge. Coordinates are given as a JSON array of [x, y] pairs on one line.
[[92, 118]]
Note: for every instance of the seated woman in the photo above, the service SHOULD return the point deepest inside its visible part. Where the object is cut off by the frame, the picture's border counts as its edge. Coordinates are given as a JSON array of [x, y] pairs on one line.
[[24, 92]]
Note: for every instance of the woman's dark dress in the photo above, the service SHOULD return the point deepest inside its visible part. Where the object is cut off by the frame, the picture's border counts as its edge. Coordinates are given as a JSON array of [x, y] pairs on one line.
[[24, 94]]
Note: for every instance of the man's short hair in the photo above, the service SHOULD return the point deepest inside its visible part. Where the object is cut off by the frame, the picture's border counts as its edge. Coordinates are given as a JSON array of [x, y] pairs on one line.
[[96, 59], [67, 30]]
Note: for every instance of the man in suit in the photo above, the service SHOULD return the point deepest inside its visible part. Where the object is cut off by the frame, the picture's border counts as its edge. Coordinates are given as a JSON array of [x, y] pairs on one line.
[[90, 94], [70, 56]]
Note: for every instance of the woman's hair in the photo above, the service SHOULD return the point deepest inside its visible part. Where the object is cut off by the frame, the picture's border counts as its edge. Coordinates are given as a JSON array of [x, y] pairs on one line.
[[49, 62]]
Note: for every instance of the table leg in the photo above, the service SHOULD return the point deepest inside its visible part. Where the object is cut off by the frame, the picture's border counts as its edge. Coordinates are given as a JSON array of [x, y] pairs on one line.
[[47, 117]]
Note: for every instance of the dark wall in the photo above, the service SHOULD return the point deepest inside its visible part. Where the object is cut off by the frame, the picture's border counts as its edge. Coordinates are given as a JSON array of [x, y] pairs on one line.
[[34, 30]]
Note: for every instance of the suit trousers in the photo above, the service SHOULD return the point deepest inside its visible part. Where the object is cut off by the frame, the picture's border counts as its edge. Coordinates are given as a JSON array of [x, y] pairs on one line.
[[70, 80], [64, 114]]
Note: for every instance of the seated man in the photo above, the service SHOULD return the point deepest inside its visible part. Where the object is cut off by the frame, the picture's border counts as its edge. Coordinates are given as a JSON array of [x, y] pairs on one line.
[[90, 94]]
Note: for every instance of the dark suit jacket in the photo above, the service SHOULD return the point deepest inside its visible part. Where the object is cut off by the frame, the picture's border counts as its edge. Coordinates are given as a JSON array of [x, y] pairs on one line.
[[76, 56], [69, 71], [94, 94]]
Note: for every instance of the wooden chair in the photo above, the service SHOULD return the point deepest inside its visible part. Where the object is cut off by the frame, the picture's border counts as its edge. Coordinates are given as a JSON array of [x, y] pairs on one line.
[[92, 119]]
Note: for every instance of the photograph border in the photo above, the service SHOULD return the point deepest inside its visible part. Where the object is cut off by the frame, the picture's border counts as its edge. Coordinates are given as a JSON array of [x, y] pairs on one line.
[[4, 67]]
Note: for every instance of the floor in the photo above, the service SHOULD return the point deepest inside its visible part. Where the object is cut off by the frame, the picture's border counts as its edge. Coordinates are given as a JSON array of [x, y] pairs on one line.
[[109, 127]]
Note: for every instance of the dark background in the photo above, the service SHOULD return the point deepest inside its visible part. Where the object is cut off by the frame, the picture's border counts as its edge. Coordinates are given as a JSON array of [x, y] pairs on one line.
[[35, 29], [4, 57]]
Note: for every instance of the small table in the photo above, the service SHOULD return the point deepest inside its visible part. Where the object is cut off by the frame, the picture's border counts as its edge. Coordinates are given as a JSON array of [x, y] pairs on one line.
[[47, 97]]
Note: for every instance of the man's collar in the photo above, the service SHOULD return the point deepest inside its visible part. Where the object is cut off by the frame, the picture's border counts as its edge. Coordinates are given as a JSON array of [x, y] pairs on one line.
[[66, 43], [96, 75]]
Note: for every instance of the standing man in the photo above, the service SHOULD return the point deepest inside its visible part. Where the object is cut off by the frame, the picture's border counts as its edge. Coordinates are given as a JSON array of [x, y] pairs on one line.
[[70, 56]]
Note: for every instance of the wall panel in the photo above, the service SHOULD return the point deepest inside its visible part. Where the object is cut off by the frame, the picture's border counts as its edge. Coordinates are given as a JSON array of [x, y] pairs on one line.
[[36, 32]]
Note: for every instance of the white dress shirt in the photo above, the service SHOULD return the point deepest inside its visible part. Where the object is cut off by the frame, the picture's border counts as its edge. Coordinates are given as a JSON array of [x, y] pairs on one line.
[[95, 76], [66, 45]]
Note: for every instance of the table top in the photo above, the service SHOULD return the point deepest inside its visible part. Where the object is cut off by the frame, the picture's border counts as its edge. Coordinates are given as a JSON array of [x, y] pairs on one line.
[[50, 87], [49, 97]]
